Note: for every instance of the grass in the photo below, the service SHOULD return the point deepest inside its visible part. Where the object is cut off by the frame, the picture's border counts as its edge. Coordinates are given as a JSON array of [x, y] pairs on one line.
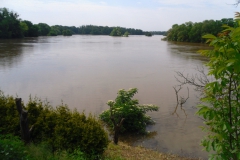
[[41, 151], [123, 151]]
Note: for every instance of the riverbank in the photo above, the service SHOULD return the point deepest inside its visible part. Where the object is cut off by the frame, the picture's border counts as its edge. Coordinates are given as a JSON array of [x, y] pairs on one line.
[[123, 151]]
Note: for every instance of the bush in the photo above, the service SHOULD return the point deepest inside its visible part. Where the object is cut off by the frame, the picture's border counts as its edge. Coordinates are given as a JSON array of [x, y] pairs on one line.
[[9, 116], [221, 102], [116, 32], [67, 130], [125, 107], [11, 147], [60, 128]]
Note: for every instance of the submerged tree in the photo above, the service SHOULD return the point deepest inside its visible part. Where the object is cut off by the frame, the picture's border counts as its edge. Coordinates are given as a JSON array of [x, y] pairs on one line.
[[126, 34], [116, 32], [126, 114]]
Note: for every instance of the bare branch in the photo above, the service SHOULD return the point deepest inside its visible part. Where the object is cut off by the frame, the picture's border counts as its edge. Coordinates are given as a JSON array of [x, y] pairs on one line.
[[181, 101], [237, 3], [199, 80]]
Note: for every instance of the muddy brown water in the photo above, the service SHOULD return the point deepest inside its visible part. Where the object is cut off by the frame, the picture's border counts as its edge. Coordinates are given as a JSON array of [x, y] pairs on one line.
[[87, 71]]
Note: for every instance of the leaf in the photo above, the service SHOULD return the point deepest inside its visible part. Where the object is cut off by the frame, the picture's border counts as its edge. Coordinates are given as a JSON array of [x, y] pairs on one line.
[[224, 127], [203, 110], [221, 70], [238, 155], [209, 36], [225, 26], [230, 62]]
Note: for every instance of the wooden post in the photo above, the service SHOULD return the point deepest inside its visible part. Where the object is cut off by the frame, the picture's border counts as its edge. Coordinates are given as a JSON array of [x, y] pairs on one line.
[[25, 132]]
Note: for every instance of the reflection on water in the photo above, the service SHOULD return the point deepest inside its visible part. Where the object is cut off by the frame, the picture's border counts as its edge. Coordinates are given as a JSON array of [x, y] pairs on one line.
[[87, 71], [187, 50]]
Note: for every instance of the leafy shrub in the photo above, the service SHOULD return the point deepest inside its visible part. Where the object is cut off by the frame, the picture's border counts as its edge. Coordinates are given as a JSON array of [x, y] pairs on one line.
[[60, 128], [125, 107], [8, 115], [11, 147], [221, 102], [67, 130], [116, 32]]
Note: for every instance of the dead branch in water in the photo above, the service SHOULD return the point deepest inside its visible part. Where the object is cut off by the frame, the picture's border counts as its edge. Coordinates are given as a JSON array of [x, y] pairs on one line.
[[180, 101]]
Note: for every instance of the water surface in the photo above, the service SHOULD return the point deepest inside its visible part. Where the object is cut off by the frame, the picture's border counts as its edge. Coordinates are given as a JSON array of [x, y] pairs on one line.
[[87, 71]]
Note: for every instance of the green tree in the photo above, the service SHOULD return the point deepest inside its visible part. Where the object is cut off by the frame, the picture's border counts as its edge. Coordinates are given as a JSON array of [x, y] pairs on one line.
[[9, 24], [32, 29], [149, 34], [134, 114], [221, 103], [67, 32], [126, 34], [116, 32], [193, 32], [24, 27], [43, 29]]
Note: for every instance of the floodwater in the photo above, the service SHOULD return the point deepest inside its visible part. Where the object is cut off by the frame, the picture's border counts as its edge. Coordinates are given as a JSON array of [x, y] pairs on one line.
[[87, 71]]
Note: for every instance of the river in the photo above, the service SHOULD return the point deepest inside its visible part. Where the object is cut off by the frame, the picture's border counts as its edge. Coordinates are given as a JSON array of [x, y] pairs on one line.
[[86, 71]]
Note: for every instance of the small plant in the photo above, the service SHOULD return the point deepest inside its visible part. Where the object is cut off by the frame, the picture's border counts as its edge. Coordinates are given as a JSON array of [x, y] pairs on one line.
[[126, 114], [11, 147]]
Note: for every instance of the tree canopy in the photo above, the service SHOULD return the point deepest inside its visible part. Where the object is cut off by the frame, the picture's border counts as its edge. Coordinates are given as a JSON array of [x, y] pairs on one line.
[[116, 32], [193, 32], [10, 24]]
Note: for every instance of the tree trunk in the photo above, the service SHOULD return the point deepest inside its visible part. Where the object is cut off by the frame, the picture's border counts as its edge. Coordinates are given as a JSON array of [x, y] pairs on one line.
[[25, 132]]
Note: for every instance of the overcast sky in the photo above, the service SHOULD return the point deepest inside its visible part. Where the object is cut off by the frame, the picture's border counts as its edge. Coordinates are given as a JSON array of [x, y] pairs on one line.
[[148, 15]]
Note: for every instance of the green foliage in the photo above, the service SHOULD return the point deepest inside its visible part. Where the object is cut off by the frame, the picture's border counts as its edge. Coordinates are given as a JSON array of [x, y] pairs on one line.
[[60, 128], [43, 29], [67, 130], [12, 147], [9, 24], [193, 32], [149, 34], [67, 32], [221, 104], [126, 107], [32, 30], [8, 115], [43, 152], [13, 27], [24, 27], [116, 32], [105, 30], [52, 32], [126, 34], [164, 33]]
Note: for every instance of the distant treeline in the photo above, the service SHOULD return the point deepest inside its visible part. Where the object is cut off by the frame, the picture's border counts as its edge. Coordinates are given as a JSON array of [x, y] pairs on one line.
[[164, 33], [193, 32], [105, 30], [11, 26]]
